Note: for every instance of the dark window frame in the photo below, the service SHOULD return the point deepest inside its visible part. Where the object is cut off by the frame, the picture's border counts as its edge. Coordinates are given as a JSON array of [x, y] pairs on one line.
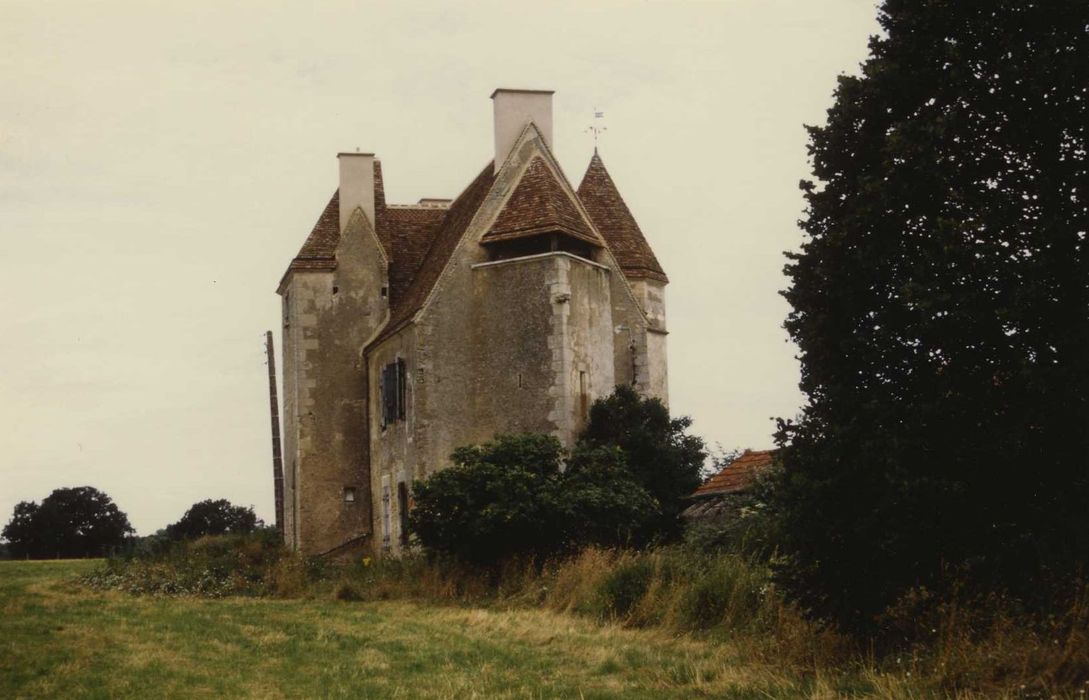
[[392, 391]]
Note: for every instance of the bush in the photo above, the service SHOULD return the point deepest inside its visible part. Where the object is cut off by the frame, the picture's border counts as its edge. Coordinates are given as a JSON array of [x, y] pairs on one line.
[[509, 499], [210, 567], [624, 586]]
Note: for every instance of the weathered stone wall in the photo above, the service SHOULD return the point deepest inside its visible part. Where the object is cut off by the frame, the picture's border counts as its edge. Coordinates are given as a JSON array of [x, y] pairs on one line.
[[519, 345], [330, 315], [651, 296], [393, 446]]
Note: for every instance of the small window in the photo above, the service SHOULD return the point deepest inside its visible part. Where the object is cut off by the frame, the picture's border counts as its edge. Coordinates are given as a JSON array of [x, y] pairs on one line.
[[385, 292], [335, 289], [392, 391], [349, 494]]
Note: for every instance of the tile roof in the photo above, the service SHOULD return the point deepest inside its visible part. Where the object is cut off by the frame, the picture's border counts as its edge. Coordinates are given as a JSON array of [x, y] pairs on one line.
[[410, 232], [612, 217], [319, 250], [539, 204], [443, 242], [739, 474], [404, 232], [419, 239]]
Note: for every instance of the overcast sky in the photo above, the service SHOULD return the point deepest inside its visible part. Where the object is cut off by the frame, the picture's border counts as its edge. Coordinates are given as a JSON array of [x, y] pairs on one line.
[[159, 166]]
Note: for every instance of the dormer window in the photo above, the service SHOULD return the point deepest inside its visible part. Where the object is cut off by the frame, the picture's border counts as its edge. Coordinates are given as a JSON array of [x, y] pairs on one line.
[[540, 217]]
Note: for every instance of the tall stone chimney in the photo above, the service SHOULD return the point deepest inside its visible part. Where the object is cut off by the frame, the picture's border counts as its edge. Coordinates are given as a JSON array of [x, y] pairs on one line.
[[356, 185], [513, 110]]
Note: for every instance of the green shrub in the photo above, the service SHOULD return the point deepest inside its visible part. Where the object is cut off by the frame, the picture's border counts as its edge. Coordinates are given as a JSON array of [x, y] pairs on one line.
[[210, 566], [510, 499], [623, 587]]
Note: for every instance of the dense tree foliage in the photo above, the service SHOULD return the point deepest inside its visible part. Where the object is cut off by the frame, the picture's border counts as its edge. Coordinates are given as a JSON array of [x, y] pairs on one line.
[[622, 485], [659, 454], [213, 517], [69, 523], [941, 307], [511, 497]]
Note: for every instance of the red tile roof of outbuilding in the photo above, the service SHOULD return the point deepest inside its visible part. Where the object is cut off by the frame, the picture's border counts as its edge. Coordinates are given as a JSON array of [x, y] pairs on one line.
[[739, 474]]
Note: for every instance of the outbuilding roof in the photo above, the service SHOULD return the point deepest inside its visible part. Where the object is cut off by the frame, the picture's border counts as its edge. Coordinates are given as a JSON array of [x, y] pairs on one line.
[[739, 475]]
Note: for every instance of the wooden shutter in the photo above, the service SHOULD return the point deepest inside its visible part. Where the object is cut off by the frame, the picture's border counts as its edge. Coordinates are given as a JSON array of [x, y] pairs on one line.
[[402, 511], [402, 382], [389, 393]]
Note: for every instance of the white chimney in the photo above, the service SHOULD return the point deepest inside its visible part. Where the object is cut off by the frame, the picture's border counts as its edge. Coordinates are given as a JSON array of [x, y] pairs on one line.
[[356, 185], [513, 110]]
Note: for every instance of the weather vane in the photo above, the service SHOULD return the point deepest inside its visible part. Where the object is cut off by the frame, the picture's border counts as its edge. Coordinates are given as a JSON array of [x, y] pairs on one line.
[[596, 127]]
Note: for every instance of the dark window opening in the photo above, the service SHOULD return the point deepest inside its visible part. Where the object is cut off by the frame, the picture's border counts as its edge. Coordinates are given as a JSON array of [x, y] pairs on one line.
[[584, 397], [541, 243], [392, 390], [385, 292], [402, 511], [335, 289]]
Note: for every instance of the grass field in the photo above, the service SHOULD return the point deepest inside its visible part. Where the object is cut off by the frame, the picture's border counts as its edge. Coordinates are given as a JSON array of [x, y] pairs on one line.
[[61, 640]]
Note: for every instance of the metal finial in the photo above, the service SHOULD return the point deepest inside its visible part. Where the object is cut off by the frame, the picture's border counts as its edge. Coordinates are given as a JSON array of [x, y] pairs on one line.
[[596, 127]]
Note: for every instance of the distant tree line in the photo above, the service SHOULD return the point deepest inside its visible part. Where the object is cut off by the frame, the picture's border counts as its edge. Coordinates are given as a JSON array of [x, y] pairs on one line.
[[84, 522]]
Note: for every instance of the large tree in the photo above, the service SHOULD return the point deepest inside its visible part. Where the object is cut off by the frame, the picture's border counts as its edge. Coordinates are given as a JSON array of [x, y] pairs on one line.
[[213, 517], [941, 308], [658, 451], [69, 523]]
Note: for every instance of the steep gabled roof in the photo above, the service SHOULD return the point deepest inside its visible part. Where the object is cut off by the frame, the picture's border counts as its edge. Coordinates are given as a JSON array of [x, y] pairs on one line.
[[614, 220], [539, 204], [318, 252], [404, 232], [443, 243], [739, 474]]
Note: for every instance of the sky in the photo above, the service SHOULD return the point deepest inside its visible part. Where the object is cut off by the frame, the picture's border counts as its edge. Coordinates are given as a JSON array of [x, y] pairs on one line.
[[160, 164]]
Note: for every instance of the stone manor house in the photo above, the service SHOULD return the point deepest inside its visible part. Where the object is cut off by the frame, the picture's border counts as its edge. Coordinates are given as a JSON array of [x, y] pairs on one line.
[[413, 329]]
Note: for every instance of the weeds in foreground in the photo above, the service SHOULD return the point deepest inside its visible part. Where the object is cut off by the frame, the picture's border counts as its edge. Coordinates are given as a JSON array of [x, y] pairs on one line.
[[990, 647]]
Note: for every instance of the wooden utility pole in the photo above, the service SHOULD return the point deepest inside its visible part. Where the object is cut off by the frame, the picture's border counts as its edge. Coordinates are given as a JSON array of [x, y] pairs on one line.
[[277, 456]]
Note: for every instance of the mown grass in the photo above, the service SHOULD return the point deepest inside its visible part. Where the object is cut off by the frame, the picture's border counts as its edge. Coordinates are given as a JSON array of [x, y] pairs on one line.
[[62, 640]]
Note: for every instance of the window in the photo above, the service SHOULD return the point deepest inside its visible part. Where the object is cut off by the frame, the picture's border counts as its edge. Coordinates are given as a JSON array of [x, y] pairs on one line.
[[385, 511], [584, 397], [392, 391], [402, 511], [349, 494]]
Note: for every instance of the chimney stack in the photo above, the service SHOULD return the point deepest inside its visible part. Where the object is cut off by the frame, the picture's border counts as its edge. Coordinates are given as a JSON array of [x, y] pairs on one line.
[[513, 110], [356, 185]]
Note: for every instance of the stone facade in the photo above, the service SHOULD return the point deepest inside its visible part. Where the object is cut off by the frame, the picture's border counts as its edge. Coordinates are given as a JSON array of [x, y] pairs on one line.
[[410, 331]]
